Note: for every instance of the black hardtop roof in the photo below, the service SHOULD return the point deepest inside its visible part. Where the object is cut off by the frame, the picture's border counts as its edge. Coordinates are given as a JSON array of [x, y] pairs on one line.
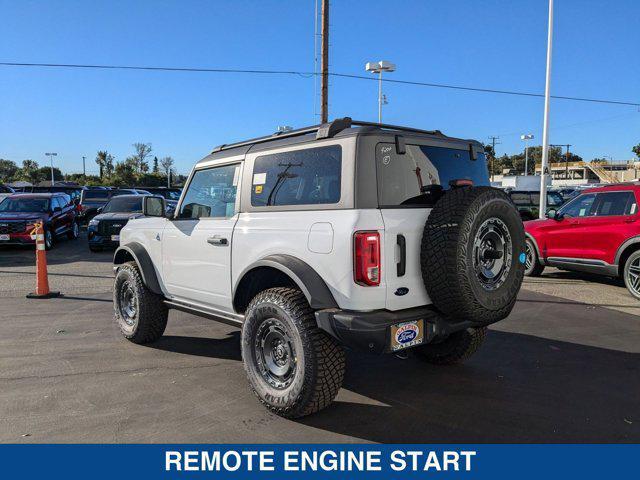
[[342, 127]]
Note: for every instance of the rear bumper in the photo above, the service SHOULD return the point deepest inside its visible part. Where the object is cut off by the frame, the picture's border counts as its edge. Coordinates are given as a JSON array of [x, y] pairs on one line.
[[371, 331]]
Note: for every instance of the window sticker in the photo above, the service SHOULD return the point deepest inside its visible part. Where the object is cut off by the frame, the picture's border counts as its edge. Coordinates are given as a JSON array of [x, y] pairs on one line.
[[259, 178], [633, 209], [258, 189], [583, 212]]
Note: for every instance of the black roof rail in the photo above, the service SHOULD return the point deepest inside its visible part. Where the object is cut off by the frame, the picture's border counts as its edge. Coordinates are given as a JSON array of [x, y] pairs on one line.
[[386, 126], [325, 130]]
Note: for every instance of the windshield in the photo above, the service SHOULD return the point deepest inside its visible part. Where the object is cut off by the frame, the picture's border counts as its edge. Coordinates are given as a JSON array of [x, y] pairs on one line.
[[124, 204], [20, 205]]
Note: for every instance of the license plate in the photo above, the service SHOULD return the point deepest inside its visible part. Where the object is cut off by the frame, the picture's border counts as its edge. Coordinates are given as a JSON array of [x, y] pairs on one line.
[[115, 238], [4, 237], [407, 334]]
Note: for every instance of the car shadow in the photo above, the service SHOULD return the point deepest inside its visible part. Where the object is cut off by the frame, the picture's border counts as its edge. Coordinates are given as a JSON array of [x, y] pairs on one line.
[[517, 388], [227, 348], [568, 277]]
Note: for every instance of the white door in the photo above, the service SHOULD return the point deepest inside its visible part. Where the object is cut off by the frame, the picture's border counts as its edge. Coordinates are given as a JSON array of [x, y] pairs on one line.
[[196, 245]]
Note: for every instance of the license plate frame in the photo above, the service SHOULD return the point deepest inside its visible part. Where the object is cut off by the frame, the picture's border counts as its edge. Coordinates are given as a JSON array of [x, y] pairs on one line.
[[407, 334], [115, 238], [5, 237]]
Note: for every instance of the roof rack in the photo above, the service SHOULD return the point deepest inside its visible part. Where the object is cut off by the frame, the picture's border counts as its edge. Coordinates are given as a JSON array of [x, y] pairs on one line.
[[325, 130]]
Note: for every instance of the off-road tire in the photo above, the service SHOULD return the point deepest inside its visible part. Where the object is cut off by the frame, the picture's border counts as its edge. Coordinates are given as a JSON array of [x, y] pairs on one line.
[[536, 268], [457, 348], [74, 233], [320, 360], [447, 254], [150, 319]]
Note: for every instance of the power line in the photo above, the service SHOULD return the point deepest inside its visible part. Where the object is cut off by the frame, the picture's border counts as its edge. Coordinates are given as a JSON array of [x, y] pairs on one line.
[[313, 74]]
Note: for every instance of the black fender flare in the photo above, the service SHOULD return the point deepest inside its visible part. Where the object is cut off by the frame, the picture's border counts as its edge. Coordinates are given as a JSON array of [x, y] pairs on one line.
[[305, 277], [144, 262]]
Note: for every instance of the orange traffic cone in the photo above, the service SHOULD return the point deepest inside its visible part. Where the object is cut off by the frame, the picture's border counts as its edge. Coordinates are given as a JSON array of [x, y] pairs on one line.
[[42, 278]]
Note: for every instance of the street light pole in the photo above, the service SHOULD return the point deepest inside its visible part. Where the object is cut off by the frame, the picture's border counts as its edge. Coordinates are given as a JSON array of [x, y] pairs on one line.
[[51, 155], [545, 127], [526, 139], [379, 67], [84, 169]]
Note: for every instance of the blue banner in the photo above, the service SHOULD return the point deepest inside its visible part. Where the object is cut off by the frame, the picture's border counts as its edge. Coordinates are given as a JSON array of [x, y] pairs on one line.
[[318, 461]]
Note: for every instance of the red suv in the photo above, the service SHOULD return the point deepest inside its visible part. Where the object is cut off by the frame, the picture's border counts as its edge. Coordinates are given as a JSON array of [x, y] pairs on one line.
[[598, 232], [20, 211]]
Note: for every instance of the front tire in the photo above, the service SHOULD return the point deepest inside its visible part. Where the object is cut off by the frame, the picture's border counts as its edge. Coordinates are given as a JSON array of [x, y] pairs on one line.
[[457, 348], [293, 367], [532, 265], [631, 274], [140, 313]]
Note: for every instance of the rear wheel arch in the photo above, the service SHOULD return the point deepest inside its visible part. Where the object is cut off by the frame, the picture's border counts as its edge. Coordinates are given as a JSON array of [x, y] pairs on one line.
[[625, 251], [282, 271]]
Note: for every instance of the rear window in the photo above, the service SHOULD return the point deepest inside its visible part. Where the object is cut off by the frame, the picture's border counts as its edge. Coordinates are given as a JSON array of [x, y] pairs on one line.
[[415, 178], [302, 177], [96, 194]]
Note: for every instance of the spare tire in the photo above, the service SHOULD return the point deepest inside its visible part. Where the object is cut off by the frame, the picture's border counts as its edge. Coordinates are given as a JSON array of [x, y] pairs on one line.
[[473, 254]]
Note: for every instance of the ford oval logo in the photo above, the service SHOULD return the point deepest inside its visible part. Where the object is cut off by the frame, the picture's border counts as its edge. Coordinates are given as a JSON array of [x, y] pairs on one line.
[[401, 291], [406, 333]]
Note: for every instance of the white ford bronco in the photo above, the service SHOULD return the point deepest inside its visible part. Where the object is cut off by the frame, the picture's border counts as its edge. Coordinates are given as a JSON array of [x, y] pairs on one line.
[[348, 234]]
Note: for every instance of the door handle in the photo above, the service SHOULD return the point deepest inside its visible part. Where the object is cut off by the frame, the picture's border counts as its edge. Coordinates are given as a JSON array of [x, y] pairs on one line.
[[401, 266], [217, 240]]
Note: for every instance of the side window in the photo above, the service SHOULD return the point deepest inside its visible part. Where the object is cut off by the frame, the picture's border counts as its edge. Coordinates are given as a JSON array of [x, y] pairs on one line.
[[522, 198], [579, 206], [614, 203], [302, 177], [211, 193], [55, 203]]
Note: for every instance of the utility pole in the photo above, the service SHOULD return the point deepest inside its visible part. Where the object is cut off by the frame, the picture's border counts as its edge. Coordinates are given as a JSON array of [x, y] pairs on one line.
[[324, 52], [566, 161], [493, 155], [84, 169]]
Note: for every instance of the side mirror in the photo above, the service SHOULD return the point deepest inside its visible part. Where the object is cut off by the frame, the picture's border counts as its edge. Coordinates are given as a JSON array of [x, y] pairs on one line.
[[553, 214], [153, 207], [99, 209]]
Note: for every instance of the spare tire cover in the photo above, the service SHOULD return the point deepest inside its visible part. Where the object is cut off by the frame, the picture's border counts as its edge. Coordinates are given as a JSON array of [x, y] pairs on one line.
[[473, 254]]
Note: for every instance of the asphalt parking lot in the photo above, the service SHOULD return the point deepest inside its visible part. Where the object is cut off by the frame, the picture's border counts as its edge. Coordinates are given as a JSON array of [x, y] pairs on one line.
[[564, 367]]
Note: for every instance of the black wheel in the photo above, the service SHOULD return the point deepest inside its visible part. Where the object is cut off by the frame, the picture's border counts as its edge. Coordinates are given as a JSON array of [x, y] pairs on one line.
[[48, 239], [532, 266], [74, 232], [293, 367], [473, 254], [140, 313], [455, 349], [631, 274]]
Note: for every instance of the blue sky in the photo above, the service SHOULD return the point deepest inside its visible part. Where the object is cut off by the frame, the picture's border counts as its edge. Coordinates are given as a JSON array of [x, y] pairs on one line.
[[488, 44]]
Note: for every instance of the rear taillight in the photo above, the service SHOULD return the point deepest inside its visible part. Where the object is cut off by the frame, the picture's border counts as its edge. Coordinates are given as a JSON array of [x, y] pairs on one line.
[[366, 258]]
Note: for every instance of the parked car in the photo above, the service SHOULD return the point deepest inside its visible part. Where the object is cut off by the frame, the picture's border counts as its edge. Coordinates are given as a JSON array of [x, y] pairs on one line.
[[95, 198], [596, 232], [528, 202], [5, 191], [376, 237], [20, 212], [104, 228], [171, 195]]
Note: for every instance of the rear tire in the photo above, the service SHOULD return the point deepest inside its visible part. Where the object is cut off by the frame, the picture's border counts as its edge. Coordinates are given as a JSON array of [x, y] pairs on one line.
[[631, 274], [532, 266], [140, 313], [293, 367], [458, 347]]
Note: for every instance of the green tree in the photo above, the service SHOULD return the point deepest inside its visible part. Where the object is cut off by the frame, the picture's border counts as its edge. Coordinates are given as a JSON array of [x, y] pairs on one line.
[[108, 165], [125, 172], [44, 174], [143, 150], [636, 150], [101, 160], [167, 166], [29, 171], [8, 170], [155, 170]]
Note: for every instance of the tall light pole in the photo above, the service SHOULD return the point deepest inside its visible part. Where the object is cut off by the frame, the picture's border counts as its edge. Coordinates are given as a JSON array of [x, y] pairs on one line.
[[526, 139], [379, 67], [84, 169], [545, 126], [51, 155]]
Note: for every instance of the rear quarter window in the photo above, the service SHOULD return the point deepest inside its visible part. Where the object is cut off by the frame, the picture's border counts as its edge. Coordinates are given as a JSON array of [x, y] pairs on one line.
[[302, 177], [411, 179]]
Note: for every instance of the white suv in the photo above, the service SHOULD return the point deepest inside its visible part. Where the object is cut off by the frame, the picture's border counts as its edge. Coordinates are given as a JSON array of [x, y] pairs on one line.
[[369, 236]]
